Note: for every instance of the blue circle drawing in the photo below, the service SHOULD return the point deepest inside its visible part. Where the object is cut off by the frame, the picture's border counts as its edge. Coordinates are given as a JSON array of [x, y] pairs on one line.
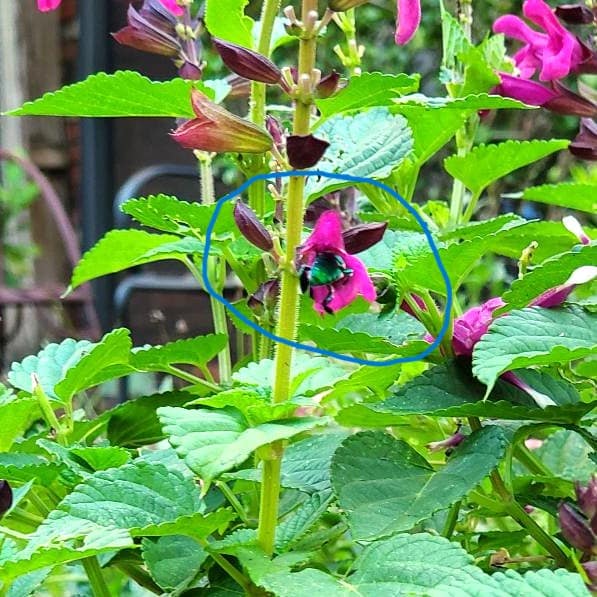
[[316, 349]]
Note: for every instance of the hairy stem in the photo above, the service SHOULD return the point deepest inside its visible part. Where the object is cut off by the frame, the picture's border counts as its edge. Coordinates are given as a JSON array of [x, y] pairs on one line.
[[288, 305], [451, 520], [97, 582], [269, 11]]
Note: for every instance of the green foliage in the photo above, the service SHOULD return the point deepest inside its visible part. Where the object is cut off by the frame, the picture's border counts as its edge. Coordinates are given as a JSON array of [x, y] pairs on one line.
[[226, 19], [573, 195]]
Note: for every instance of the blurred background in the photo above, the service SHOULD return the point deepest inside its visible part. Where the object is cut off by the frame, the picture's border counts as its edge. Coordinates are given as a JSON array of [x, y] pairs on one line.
[[92, 164]]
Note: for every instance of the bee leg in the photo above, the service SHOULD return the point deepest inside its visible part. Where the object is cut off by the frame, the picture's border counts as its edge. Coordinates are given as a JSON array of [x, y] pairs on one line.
[[328, 299]]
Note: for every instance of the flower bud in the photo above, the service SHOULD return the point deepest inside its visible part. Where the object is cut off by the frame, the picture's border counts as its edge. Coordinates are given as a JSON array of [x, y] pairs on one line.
[[360, 238], [5, 497], [450, 442], [568, 102], [190, 71], [591, 570], [575, 14], [264, 299], [246, 63], [216, 129], [584, 145], [574, 528], [587, 497], [251, 228], [327, 85], [342, 5], [274, 128], [304, 151]]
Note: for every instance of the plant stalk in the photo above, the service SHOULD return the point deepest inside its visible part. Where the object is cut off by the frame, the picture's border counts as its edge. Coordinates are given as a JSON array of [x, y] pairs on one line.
[[96, 578], [289, 293]]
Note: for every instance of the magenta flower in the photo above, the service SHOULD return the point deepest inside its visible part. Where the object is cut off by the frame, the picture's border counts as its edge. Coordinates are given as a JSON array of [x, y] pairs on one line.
[[173, 7], [471, 325], [408, 18], [555, 53], [334, 277], [46, 5]]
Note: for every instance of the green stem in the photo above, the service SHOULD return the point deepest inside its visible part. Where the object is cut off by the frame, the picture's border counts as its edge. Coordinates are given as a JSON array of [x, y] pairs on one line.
[[452, 519], [234, 502], [96, 578], [530, 461], [48, 413], [470, 208], [192, 379], [232, 572], [139, 576], [269, 11], [518, 513], [288, 305]]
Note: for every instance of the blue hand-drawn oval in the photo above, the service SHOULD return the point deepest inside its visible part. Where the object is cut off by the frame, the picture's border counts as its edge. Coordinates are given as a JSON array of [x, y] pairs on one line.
[[316, 349]]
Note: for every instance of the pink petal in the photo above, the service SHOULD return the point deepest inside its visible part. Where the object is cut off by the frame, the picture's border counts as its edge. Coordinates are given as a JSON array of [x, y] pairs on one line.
[[557, 295], [347, 289], [573, 225], [527, 62], [46, 5], [513, 26], [470, 326], [523, 90], [408, 19], [326, 236], [173, 7], [542, 400]]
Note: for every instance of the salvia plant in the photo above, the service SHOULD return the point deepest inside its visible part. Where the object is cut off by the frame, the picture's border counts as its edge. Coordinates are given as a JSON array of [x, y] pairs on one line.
[[400, 418]]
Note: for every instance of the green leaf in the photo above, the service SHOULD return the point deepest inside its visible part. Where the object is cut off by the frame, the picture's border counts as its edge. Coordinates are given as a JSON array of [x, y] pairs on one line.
[[566, 455], [124, 93], [100, 458], [385, 486], [549, 274], [226, 19], [26, 467], [17, 415], [574, 195], [169, 214], [189, 351], [449, 390], [485, 164], [116, 251], [49, 365], [369, 144], [294, 527], [481, 229], [173, 561], [214, 441], [470, 103], [113, 349], [367, 90], [135, 423], [534, 336], [422, 564]]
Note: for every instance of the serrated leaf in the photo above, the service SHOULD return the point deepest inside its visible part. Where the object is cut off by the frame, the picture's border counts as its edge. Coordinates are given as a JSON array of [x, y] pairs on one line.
[[369, 144], [169, 214], [113, 349], [485, 164], [214, 441], [549, 274], [385, 486], [405, 245], [188, 351], [470, 103], [367, 90], [534, 336], [100, 458], [173, 561], [422, 564], [49, 365], [566, 455], [188, 245], [124, 93], [226, 19], [116, 251], [301, 520], [26, 467], [449, 390], [135, 423], [17, 415], [481, 229], [574, 195]]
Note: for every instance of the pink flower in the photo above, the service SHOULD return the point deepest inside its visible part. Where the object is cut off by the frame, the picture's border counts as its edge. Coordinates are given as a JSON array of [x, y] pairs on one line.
[[554, 53], [323, 257], [408, 18], [471, 325], [173, 7], [46, 5], [523, 90]]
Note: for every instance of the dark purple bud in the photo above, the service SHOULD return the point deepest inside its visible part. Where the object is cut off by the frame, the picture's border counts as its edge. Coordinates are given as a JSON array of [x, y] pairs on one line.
[[360, 238], [450, 442], [190, 71], [246, 63], [5, 497], [251, 228], [304, 151], [404, 306], [568, 102], [342, 5], [588, 64], [274, 128], [575, 528], [584, 145], [587, 498], [328, 85], [575, 14], [265, 297], [591, 570]]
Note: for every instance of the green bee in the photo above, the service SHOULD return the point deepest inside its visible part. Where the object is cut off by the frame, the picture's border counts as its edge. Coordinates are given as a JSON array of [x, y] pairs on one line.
[[327, 269]]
